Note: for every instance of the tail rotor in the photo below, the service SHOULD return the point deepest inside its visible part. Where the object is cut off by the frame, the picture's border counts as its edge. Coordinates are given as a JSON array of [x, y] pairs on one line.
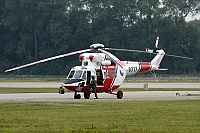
[[156, 47]]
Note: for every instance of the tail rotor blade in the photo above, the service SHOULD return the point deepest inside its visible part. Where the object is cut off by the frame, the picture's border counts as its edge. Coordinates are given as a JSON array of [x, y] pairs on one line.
[[157, 39], [48, 59]]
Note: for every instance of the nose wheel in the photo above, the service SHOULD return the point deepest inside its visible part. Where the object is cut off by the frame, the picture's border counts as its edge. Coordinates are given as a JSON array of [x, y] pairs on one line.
[[61, 90]]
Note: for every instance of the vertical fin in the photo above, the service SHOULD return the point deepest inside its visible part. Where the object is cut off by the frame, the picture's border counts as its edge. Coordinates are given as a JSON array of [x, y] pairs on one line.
[[158, 58]]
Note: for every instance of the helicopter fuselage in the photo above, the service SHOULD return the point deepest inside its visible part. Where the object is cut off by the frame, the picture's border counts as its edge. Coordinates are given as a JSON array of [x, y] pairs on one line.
[[109, 75]]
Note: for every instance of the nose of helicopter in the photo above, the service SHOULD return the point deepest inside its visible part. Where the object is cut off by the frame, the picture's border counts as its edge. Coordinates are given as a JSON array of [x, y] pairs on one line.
[[72, 81], [73, 84]]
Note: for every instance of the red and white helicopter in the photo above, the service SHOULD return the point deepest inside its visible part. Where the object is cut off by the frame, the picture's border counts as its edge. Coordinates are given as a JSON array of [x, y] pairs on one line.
[[108, 70]]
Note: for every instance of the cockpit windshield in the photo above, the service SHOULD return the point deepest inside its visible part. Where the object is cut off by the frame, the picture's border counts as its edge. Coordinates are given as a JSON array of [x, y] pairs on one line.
[[71, 74], [76, 74]]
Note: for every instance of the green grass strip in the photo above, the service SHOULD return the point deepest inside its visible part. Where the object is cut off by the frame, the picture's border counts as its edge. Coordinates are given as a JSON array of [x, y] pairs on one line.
[[28, 90], [101, 117]]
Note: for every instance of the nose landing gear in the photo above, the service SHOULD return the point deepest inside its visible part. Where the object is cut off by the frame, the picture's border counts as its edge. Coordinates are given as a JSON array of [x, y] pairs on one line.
[[61, 90]]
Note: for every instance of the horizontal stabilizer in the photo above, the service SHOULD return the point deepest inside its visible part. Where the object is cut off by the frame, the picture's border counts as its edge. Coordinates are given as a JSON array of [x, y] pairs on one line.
[[161, 69]]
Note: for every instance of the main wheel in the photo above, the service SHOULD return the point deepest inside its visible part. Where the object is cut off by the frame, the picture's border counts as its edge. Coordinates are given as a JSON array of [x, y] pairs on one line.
[[86, 95], [119, 94], [78, 96]]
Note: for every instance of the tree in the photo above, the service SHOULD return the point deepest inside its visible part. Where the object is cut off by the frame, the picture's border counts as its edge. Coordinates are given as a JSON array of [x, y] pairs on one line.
[[32, 30]]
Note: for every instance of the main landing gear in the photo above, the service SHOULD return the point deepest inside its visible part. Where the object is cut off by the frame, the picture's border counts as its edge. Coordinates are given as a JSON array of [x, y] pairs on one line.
[[77, 96], [86, 95], [119, 94]]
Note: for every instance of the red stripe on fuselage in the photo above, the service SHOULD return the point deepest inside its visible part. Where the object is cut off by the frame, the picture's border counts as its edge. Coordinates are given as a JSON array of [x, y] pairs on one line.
[[98, 88], [144, 66]]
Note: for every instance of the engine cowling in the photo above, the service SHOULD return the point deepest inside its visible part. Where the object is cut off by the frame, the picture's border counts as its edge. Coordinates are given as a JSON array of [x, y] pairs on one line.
[[106, 62]]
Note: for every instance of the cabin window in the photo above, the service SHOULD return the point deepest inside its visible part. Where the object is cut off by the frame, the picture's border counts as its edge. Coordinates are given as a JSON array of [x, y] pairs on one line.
[[114, 74], [84, 75], [78, 74], [106, 75]]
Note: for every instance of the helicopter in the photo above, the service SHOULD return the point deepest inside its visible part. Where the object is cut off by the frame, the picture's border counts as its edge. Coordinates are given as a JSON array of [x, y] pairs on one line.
[[108, 71]]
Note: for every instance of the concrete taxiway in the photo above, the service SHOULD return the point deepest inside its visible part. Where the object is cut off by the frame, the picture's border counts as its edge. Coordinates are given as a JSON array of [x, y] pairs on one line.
[[128, 96], [136, 95], [124, 85]]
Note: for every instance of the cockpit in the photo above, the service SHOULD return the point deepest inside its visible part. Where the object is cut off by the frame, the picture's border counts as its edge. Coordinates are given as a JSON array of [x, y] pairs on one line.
[[78, 74]]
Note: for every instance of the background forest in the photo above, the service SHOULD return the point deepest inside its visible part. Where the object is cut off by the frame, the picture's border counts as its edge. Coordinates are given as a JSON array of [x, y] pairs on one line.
[[31, 30]]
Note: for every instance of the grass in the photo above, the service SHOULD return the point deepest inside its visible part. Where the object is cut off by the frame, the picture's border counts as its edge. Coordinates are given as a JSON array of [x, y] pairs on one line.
[[160, 89], [114, 117], [31, 78], [163, 81], [4, 90]]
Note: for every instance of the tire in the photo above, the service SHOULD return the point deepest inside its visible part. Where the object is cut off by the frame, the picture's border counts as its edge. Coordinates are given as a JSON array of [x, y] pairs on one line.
[[86, 95], [78, 96], [61, 91], [119, 94]]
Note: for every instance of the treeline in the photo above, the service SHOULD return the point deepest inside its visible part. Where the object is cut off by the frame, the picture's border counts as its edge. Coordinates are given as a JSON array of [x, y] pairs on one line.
[[31, 30]]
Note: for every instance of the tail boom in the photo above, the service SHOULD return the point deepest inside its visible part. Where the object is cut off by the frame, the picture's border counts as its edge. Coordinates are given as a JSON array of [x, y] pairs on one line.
[[139, 67]]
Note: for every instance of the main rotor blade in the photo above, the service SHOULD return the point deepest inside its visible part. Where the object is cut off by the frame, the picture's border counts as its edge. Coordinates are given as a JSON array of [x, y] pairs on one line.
[[138, 51], [128, 50], [183, 57], [48, 59]]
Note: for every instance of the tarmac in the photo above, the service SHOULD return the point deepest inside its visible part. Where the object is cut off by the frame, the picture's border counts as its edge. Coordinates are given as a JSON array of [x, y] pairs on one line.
[[128, 96], [124, 85]]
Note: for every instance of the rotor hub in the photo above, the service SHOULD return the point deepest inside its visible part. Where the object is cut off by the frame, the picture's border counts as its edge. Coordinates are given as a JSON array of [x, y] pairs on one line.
[[97, 46]]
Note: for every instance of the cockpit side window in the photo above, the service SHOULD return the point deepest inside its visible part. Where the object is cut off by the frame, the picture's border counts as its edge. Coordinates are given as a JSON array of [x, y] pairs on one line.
[[78, 74], [84, 75], [71, 74]]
